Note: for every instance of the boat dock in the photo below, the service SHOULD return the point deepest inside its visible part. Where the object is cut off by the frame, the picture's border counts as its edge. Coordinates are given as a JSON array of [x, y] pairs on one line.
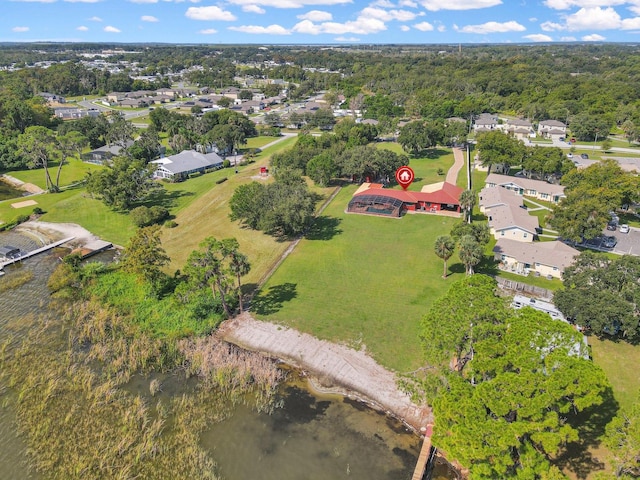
[[92, 248], [425, 455], [23, 255]]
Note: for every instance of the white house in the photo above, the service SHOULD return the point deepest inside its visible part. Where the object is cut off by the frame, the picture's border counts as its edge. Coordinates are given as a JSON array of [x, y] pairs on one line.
[[547, 259], [552, 129], [538, 189], [180, 166]]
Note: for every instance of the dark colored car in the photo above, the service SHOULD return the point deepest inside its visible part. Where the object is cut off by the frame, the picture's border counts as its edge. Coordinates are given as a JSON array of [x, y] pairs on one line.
[[612, 226], [609, 242], [584, 156]]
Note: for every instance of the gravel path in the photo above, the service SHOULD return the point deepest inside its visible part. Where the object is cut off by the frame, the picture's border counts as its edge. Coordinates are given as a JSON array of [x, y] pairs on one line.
[[337, 368]]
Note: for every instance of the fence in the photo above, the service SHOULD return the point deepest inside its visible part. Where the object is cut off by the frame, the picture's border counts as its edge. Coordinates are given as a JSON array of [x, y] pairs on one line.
[[524, 288]]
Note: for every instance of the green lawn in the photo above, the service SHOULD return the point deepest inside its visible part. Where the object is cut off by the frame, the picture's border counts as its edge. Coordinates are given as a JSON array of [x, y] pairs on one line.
[[426, 165], [618, 359], [73, 171], [363, 281]]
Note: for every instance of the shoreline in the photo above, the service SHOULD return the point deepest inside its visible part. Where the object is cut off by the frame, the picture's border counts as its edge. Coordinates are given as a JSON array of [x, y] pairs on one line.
[[330, 367], [52, 232]]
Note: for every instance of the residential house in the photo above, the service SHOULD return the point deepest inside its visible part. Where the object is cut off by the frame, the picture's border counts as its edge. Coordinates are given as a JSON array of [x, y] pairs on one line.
[[180, 166], [506, 221], [73, 113], [552, 129], [103, 154], [52, 97], [520, 129], [538, 189], [547, 259], [133, 102], [485, 122]]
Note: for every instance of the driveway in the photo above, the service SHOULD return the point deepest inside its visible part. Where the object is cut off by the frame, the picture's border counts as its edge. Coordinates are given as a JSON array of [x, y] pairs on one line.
[[628, 243]]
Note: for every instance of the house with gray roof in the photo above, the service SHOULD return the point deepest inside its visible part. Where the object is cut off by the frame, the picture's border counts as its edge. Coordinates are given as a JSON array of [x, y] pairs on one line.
[[495, 197], [180, 166], [552, 129], [514, 223], [547, 259], [538, 189], [103, 154]]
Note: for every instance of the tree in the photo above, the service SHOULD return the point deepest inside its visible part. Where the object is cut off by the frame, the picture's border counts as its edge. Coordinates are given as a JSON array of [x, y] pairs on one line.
[[623, 440], [470, 253], [322, 168], [246, 204], [37, 145], [245, 95], [211, 265], [119, 131], [602, 294], [124, 182], [224, 102], [144, 255], [417, 136], [498, 148], [504, 381], [585, 126], [479, 231], [323, 119], [364, 162], [467, 202], [71, 142], [444, 247]]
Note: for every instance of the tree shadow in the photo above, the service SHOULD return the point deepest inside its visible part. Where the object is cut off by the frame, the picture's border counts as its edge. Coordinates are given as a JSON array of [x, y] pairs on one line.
[[271, 301], [164, 198], [455, 268], [487, 266], [324, 228], [591, 424]]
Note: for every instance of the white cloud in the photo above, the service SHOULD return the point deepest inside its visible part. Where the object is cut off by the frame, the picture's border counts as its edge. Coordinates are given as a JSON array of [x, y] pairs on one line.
[[35, 1], [289, 3], [20, 29], [316, 16], [209, 13], [258, 30], [593, 18], [382, 4], [533, 19], [441, 28], [387, 15], [110, 29], [253, 9], [567, 4], [491, 27], [538, 37], [435, 5], [594, 37], [567, 39], [143, 1], [149, 18], [360, 26], [82, 1], [208, 31], [343, 39], [95, 19], [405, 28], [424, 27], [407, 3], [551, 26], [630, 24], [82, 28]]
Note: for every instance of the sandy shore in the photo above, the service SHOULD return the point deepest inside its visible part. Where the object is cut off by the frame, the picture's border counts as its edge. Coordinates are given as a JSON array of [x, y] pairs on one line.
[[334, 368], [49, 232]]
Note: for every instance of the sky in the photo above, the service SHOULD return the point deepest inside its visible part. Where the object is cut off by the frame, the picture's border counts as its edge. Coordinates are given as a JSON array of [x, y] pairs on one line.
[[321, 21]]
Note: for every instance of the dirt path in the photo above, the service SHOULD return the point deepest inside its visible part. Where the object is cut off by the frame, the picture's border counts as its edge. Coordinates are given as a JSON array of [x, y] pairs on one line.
[[336, 368]]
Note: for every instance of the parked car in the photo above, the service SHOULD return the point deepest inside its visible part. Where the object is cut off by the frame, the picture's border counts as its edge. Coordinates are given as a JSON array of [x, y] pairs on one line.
[[612, 225], [624, 228], [609, 242], [584, 156], [569, 155]]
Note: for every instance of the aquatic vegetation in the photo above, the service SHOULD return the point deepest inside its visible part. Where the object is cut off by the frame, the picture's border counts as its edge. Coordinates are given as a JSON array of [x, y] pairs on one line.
[[15, 280]]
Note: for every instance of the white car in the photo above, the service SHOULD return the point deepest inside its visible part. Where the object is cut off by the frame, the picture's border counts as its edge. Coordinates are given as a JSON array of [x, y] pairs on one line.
[[624, 228]]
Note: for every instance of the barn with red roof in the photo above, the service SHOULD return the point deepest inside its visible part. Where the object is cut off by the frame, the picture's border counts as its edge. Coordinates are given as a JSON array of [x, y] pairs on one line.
[[438, 198]]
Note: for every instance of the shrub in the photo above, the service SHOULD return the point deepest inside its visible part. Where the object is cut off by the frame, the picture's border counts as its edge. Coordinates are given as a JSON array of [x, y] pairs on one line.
[[226, 163], [170, 224], [22, 219], [143, 216], [221, 180], [38, 211]]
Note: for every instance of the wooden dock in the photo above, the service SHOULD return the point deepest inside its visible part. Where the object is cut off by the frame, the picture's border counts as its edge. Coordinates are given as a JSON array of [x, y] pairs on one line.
[[425, 454], [25, 255]]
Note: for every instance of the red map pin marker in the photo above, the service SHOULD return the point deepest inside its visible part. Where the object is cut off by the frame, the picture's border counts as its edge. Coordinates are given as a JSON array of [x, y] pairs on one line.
[[405, 176]]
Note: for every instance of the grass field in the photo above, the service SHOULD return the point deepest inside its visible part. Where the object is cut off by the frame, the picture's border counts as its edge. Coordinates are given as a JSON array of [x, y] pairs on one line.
[[72, 172], [618, 359], [362, 281]]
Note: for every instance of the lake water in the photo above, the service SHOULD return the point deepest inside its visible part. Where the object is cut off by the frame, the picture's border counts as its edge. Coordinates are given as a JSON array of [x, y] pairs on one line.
[[307, 436], [7, 191]]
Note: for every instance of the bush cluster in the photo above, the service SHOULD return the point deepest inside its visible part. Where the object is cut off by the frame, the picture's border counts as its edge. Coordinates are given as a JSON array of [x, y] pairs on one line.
[[144, 216]]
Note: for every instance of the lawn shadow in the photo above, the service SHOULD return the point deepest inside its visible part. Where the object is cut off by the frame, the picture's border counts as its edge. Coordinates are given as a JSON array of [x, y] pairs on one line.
[[488, 266], [324, 228], [591, 424], [271, 301]]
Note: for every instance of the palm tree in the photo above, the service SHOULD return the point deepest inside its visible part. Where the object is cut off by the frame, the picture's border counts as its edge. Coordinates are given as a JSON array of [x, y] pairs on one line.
[[467, 202], [444, 249], [470, 253], [239, 265]]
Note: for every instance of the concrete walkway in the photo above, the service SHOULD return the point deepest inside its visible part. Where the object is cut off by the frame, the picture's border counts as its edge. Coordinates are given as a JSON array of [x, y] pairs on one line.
[[458, 164]]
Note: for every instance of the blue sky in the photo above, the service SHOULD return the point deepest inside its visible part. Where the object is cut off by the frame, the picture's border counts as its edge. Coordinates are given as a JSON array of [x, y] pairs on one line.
[[321, 21]]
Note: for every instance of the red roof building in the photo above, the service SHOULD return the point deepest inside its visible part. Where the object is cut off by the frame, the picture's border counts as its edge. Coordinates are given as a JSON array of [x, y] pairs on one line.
[[373, 199]]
